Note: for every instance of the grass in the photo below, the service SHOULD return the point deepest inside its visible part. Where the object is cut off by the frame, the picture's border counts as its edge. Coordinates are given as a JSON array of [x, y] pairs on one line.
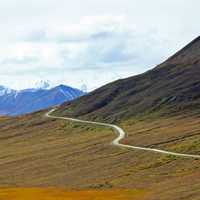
[[63, 194], [40, 152], [176, 133], [160, 162]]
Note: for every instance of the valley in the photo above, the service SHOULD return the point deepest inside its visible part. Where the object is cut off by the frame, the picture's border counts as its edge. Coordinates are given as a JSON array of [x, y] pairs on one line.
[[157, 110], [42, 152]]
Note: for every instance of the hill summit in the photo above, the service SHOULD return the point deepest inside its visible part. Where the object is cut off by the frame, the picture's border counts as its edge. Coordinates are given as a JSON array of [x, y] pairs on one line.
[[190, 54]]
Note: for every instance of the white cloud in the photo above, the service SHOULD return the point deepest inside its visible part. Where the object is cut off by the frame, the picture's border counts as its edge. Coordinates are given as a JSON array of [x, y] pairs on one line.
[[92, 42]]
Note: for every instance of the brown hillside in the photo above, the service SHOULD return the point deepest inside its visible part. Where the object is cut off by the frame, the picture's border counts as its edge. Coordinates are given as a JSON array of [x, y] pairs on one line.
[[40, 152], [173, 86]]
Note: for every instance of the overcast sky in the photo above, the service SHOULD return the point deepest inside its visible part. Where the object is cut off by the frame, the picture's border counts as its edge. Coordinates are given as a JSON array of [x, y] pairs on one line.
[[90, 42]]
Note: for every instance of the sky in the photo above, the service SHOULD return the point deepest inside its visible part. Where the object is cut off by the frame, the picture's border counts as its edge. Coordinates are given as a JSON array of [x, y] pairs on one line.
[[90, 42]]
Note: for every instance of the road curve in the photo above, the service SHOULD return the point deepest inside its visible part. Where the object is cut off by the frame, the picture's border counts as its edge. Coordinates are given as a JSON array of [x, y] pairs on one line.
[[121, 135]]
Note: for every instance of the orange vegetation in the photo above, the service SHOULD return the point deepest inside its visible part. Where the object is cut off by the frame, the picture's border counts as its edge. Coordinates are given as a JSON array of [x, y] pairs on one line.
[[62, 194]]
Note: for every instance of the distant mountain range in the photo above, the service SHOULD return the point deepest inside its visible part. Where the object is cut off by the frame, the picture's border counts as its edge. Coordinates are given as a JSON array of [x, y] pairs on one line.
[[17, 102]]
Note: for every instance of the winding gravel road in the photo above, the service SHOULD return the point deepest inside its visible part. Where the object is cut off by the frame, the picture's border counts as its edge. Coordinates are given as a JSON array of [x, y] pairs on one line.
[[121, 135]]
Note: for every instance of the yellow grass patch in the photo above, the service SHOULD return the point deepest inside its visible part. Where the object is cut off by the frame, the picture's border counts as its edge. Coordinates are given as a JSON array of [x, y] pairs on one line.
[[62, 194]]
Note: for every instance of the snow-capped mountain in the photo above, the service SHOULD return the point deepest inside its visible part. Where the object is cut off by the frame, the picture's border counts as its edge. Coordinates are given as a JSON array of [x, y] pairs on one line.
[[17, 102], [43, 84], [5, 91]]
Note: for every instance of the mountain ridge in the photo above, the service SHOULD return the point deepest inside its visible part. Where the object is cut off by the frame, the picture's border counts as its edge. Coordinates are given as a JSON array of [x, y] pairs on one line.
[[173, 86], [17, 102], [186, 54]]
